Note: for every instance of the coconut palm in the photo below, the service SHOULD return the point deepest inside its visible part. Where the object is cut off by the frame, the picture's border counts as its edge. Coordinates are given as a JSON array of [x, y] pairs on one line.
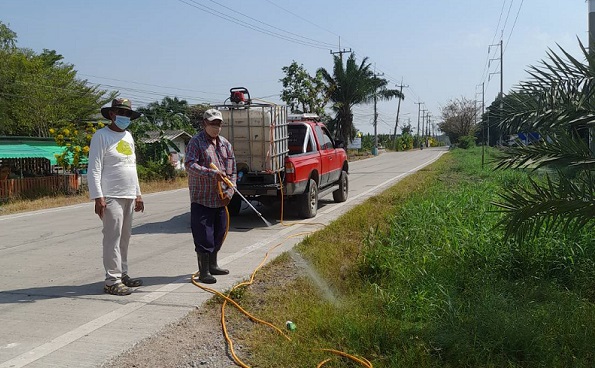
[[558, 102], [351, 85]]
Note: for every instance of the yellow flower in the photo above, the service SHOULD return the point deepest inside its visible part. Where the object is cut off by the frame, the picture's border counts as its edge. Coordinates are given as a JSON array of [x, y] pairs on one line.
[[77, 149], [52, 131], [86, 149], [66, 131], [60, 137], [100, 125]]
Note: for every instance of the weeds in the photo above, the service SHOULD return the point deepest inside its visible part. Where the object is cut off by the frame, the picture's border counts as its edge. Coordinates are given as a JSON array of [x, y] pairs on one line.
[[427, 281]]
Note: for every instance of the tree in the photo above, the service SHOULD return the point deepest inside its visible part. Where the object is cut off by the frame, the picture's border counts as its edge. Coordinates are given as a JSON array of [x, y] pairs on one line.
[[558, 102], [195, 115], [39, 91], [8, 38], [302, 92], [169, 114], [458, 119], [351, 85], [76, 140]]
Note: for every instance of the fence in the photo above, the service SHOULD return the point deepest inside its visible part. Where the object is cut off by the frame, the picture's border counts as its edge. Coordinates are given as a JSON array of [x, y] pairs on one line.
[[68, 183]]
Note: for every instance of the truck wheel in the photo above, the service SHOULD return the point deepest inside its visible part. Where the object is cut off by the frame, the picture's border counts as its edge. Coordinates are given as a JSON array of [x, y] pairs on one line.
[[309, 200], [340, 195], [235, 205]]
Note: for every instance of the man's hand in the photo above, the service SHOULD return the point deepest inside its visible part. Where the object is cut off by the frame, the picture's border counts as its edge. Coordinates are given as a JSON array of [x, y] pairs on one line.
[[139, 205], [100, 207], [220, 176], [226, 200]]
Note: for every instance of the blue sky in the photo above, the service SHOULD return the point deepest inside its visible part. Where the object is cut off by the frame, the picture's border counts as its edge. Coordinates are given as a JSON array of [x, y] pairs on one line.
[[199, 49]]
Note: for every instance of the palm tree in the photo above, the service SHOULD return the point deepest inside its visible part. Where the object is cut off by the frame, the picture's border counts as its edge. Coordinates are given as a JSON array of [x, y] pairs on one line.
[[351, 85], [558, 102]]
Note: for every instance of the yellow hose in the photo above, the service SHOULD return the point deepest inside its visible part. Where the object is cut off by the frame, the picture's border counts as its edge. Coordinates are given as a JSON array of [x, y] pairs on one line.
[[226, 298]]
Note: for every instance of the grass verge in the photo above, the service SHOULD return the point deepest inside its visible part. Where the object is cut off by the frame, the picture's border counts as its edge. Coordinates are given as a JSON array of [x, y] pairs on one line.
[[419, 277]]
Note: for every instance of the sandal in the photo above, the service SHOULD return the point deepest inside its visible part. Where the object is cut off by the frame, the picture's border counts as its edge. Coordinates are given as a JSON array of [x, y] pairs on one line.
[[130, 282], [117, 289]]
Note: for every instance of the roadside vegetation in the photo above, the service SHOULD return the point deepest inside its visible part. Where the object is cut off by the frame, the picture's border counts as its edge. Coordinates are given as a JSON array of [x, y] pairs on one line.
[[39, 201], [420, 276]]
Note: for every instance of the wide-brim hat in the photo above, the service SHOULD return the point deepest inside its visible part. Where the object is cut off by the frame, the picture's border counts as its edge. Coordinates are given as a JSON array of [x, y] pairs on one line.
[[120, 103]]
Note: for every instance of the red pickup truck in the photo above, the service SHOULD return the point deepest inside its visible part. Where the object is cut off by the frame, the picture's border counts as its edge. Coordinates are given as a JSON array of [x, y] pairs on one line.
[[284, 157], [316, 165]]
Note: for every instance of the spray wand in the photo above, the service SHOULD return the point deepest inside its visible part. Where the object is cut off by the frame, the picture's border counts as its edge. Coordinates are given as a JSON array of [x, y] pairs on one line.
[[230, 184]]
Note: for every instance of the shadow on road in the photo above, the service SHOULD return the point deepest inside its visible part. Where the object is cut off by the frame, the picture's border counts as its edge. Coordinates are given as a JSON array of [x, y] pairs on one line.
[[35, 294], [175, 225]]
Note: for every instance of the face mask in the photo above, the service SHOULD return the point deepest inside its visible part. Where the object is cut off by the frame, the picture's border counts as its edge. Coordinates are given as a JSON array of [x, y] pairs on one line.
[[122, 122], [212, 131]]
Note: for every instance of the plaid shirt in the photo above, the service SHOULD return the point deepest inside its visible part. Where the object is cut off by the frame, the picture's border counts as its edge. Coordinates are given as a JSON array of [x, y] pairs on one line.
[[202, 179]]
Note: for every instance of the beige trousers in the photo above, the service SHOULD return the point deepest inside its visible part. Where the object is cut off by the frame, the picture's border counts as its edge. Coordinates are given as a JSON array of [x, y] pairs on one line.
[[117, 228]]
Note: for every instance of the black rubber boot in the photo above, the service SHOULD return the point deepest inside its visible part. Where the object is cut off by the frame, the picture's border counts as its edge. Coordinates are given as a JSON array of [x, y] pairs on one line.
[[214, 267], [203, 269]]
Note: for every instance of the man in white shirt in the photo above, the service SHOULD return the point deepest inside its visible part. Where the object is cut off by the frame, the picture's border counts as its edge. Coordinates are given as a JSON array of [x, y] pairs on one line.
[[113, 184]]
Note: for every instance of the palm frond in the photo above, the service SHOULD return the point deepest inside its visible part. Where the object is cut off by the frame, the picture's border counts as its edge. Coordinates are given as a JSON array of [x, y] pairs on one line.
[[560, 151], [557, 203]]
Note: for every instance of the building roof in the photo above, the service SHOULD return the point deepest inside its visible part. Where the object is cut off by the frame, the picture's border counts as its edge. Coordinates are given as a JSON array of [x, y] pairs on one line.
[[30, 147], [156, 135]]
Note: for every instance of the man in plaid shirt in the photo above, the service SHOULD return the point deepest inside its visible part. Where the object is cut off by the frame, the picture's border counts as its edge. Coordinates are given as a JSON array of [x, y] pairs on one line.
[[209, 195]]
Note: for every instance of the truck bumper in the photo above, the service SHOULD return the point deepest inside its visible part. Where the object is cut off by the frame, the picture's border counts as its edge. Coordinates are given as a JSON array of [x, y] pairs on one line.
[[256, 190], [295, 188]]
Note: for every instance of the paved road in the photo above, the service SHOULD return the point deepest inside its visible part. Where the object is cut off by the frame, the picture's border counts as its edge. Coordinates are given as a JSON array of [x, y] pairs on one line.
[[53, 312]]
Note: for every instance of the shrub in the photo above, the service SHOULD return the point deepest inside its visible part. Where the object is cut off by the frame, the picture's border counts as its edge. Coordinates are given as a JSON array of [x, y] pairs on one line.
[[466, 142]]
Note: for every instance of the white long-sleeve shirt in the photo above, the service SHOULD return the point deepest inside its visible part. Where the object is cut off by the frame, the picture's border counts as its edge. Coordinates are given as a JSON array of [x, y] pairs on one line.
[[112, 165]]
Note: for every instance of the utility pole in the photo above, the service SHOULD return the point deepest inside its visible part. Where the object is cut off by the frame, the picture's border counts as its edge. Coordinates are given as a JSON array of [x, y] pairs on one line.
[[398, 109], [375, 150], [423, 122], [428, 129], [501, 72], [340, 52], [418, 112], [483, 131]]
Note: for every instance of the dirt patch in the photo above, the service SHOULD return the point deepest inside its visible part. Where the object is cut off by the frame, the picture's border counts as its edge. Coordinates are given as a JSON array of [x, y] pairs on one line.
[[197, 340]]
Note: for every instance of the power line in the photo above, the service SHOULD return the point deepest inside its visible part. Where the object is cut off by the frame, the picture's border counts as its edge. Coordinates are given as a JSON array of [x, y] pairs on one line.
[[229, 18], [151, 85], [302, 18], [268, 25], [514, 24]]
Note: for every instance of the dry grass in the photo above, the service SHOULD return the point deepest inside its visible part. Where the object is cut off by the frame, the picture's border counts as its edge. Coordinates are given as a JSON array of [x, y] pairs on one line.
[[24, 205]]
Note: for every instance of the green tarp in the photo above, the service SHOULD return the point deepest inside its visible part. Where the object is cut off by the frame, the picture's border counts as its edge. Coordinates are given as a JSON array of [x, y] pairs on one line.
[[30, 150]]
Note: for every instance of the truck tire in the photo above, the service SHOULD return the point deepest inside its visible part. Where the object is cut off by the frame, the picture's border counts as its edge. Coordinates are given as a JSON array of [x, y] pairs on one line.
[[340, 195], [235, 205], [308, 201]]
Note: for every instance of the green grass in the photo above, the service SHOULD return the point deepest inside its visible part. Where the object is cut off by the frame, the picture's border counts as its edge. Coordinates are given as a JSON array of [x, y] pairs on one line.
[[425, 280]]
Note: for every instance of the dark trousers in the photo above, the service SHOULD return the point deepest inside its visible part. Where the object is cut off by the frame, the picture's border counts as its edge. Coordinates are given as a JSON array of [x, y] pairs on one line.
[[209, 226]]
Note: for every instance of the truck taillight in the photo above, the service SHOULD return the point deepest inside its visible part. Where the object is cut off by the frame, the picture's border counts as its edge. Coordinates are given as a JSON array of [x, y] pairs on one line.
[[289, 168]]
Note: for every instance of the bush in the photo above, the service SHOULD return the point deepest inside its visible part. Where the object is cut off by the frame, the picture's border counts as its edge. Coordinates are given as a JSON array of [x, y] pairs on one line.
[[156, 170], [466, 142]]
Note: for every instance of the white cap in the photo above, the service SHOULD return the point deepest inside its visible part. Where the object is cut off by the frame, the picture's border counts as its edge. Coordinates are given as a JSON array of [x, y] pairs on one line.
[[212, 114]]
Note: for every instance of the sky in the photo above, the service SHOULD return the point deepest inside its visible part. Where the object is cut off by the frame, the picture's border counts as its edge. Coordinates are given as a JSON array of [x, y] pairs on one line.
[[198, 49]]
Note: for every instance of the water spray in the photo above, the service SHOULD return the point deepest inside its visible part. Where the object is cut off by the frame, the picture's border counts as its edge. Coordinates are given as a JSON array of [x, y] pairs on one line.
[[230, 184]]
